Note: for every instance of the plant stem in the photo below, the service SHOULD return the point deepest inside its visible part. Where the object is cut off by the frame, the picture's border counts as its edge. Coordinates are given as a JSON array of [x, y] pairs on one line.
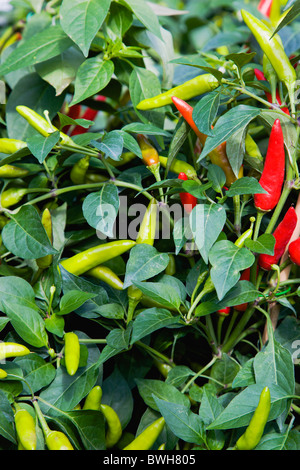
[[190, 382]]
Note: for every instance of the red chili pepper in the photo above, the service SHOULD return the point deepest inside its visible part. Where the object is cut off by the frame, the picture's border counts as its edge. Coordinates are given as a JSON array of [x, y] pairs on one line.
[[217, 156], [149, 153], [224, 312], [245, 276], [264, 7], [282, 235], [260, 76], [188, 200], [74, 112], [294, 251], [272, 176], [90, 115]]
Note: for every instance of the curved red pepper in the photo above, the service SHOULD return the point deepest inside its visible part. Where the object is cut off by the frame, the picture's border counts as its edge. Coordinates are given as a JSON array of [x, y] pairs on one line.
[[224, 312], [264, 7], [260, 76], [294, 251], [188, 200], [272, 176], [282, 235]]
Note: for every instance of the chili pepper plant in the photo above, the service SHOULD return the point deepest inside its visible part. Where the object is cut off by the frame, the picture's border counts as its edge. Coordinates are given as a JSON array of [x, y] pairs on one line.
[[149, 186]]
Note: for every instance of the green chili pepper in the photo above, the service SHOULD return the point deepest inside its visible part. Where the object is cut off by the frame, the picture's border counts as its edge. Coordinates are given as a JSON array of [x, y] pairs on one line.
[[9, 349], [148, 226], [56, 440], [246, 235], [147, 438], [79, 170], [126, 157], [250, 439], [271, 76], [72, 352], [274, 51], [114, 427], [3, 374], [93, 399], [171, 268], [11, 146], [91, 177], [25, 428], [10, 197], [46, 261], [194, 87], [106, 275], [92, 257], [179, 166], [41, 124], [11, 171]]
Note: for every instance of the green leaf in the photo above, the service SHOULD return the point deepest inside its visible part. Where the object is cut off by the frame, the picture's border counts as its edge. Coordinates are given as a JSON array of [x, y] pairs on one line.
[[25, 235], [227, 125], [152, 319], [216, 176], [185, 424], [42, 46], [144, 262], [265, 243], [205, 112], [100, 209], [72, 300], [142, 128], [207, 222], [41, 146], [38, 373], [169, 297], [150, 389], [289, 17], [227, 261], [111, 145], [92, 76], [245, 185], [82, 19], [7, 428], [145, 14]]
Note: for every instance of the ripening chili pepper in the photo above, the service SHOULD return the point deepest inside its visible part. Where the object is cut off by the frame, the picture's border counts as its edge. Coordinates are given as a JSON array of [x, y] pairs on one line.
[[3, 374], [71, 352], [260, 76], [114, 427], [294, 251], [217, 156], [179, 166], [93, 399], [251, 437], [92, 257], [272, 176], [25, 428], [10, 197], [11, 146], [79, 170], [41, 124], [57, 440], [264, 7], [9, 349], [46, 260], [105, 274], [147, 438], [187, 200], [11, 171], [194, 87], [282, 235], [224, 312], [147, 229], [90, 115], [246, 235], [149, 153], [273, 50], [14, 38]]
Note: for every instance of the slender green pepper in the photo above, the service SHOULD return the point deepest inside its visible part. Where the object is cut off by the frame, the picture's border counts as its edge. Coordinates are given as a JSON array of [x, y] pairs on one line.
[[3, 374], [246, 235], [79, 170], [114, 427], [147, 438], [126, 157], [11, 171], [250, 439], [171, 268], [194, 87], [92, 257], [46, 261], [148, 226], [179, 166], [56, 440], [11, 146], [25, 428], [9, 349], [41, 124], [10, 197], [274, 51], [93, 399], [107, 275], [91, 177], [72, 352]]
